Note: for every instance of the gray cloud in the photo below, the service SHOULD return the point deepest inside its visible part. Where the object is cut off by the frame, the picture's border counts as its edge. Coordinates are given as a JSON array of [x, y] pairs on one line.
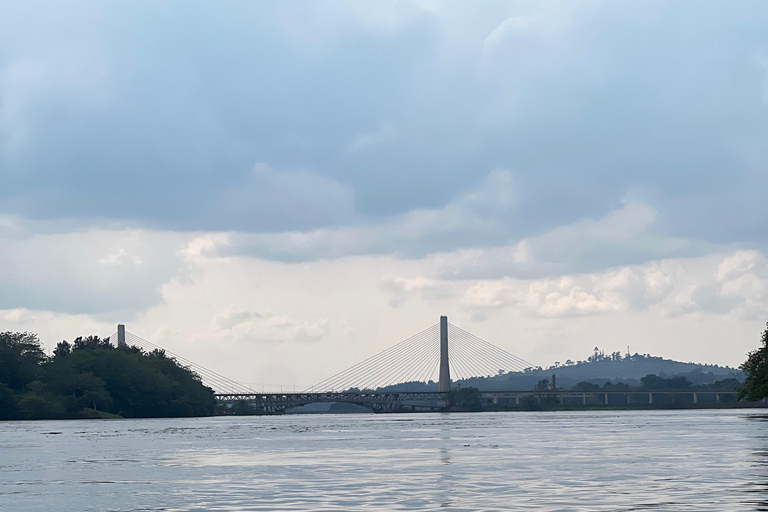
[[371, 119]]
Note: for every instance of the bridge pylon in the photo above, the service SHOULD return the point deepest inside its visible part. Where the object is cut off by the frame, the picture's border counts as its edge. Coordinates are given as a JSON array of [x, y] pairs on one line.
[[444, 384]]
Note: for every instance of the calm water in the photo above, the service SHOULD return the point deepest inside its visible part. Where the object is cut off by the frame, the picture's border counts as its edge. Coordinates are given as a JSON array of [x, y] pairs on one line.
[[606, 461]]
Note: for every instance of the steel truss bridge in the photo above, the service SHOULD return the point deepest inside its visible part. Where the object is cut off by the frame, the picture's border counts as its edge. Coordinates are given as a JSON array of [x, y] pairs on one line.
[[278, 403]]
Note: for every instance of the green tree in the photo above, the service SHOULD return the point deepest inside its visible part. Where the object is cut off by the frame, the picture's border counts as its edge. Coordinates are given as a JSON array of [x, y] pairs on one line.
[[127, 381], [619, 386], [20, 359], [9, 409], [466, 398], [653, 382], [586, 386], [62, 349], [89, 374], [755, 369]]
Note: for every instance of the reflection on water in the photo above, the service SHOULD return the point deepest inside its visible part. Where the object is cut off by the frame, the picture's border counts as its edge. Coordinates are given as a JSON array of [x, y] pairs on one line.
[[757, 482], [594, 461]]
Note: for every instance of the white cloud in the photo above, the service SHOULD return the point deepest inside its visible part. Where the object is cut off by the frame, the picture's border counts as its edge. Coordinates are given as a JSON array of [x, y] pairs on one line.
[[265, 321], [18, 317], [96, 272], [401, 289], [735, 284], [237, 323], [120, 258], [483, 298]]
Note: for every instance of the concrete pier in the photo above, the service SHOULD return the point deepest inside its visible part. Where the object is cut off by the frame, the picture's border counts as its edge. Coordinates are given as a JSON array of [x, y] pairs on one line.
[[120, 335], [444, 384]]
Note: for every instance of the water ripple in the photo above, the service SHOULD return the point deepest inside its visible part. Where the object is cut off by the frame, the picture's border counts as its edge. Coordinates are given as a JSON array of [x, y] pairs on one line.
[[581, 461]]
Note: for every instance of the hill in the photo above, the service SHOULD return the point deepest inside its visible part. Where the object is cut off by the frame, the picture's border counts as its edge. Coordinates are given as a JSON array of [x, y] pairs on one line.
[[598, 369]]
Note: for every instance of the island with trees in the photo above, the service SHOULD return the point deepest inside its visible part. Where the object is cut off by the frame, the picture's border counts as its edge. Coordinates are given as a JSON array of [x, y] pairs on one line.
[[90, 378]]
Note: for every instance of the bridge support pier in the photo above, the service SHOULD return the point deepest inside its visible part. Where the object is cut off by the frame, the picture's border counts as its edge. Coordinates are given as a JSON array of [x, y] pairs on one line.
[[444, 384], [120, 336]]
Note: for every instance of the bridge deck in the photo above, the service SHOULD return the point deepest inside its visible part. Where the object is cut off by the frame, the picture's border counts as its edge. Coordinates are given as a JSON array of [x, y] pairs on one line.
[[272, 403]]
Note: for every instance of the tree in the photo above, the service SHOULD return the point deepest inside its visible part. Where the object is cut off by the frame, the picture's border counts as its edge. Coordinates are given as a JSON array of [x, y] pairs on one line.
[[466, 398], [20, 359], [586, 386], [755, 369], [92, 374], [126, 381], [62, 349], [653, 382], [619, 386], [9, 409]]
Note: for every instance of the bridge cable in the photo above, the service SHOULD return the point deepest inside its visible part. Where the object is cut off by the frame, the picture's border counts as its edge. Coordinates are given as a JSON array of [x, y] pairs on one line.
[[219, 382], [424, 371], [348, 377], [213, 379], [492, 347], [478, 361], [364, 367], [456, 360], [386, 373], [415, 364], [490, 350]]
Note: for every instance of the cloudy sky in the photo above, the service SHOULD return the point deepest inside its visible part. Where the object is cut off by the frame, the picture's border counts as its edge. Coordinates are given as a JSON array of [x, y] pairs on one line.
[[280, 189]]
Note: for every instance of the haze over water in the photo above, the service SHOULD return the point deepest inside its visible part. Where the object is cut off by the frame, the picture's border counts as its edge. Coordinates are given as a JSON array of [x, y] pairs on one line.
[[548, 461]]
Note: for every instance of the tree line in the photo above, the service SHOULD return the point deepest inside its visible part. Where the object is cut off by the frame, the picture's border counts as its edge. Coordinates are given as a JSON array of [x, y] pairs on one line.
[[754, 387], [92, 378], [652, 382]]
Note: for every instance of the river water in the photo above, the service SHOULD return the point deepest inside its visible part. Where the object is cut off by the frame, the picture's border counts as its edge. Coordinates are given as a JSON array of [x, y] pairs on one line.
[[548, 461]]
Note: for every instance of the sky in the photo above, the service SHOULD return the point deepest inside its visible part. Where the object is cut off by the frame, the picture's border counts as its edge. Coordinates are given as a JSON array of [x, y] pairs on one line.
[[278, 190]]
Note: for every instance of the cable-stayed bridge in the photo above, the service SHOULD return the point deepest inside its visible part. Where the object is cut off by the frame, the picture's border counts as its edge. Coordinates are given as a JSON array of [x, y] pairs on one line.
[[414, 374], [440, 353]]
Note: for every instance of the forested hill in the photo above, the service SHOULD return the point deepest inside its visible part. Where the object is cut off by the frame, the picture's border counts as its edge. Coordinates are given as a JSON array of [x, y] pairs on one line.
[[91, 378], [598, 369]]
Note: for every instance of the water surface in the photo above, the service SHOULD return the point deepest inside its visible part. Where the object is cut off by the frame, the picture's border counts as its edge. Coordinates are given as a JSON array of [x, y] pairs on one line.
[[548, 461]]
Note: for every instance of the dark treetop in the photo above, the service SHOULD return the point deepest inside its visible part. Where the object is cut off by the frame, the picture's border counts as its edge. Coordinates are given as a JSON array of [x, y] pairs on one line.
[[755, 369], [91, 378]]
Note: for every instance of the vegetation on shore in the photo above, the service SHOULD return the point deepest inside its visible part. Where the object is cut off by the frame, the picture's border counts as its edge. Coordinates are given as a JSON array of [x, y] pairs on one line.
[[90, 378], [755, 369]]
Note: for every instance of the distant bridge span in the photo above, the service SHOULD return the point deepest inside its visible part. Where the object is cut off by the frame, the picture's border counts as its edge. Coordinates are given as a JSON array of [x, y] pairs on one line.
[[277, 403]]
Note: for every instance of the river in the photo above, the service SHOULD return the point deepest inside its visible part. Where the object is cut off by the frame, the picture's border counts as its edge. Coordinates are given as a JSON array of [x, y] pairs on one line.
[[549, 461]]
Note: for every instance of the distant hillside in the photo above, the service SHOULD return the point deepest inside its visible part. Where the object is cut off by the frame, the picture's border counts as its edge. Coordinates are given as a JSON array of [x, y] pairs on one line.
[[598, 369]]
